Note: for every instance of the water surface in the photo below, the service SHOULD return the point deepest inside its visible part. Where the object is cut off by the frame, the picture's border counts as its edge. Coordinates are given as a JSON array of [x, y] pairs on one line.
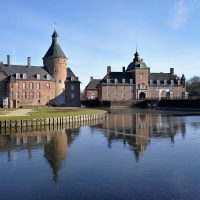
[[132, 154]]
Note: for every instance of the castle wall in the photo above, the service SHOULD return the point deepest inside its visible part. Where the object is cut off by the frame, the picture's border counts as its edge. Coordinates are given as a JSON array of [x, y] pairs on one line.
[[117, 92], [40, 93]]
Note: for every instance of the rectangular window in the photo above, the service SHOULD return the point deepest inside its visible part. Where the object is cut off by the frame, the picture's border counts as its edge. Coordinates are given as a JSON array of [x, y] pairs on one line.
[[72, 87], [142, 76], [17, 85], [17, 95], [24, 76], [24, 95], [72, 95], [31, 85], [31, 95], [24, 85], [48, 86], [48, 77], [17, 76], [38, 95], [38, 86]]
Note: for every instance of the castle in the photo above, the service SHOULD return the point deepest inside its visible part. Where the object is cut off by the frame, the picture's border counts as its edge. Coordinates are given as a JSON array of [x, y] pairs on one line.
[[136, 82], [51, 84]]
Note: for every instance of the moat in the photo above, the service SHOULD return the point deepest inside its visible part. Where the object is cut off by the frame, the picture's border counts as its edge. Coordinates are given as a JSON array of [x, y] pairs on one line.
[[131, 154]]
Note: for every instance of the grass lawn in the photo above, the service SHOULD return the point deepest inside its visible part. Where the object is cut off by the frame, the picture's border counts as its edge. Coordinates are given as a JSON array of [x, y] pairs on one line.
[[50, 112]]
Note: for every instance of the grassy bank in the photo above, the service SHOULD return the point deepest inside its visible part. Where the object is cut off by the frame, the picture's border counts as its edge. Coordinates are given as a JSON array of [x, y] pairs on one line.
[[38, 113]]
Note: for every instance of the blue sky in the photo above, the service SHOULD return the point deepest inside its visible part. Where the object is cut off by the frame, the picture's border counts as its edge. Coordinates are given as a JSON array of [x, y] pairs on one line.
[[98, 33]]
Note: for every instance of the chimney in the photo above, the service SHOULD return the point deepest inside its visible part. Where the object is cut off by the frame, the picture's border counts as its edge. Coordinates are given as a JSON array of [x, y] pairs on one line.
[[29, 62], [123, 69], [108, 69], [172, 71], [91, 78], [8, 60]]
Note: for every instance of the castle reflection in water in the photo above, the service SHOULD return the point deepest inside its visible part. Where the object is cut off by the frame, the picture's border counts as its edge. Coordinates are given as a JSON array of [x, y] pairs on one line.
[[133, 128]]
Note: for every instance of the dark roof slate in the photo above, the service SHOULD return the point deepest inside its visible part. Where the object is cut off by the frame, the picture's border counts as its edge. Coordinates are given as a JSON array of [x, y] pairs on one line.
[[55, 51], [118, 75], [31, 72], [71, 76], [93, 84], [162, 76]]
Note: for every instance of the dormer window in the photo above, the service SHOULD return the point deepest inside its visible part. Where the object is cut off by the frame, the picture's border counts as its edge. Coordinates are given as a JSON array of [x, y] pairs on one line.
[[151, 82], [179, 82], [38, 76], [131, 81], [17, 76], [24, 76], [158, 82], [165, 82], [48, 77], [108, 81], [116, 80], [72, 78], [172, 82], [123, 80]]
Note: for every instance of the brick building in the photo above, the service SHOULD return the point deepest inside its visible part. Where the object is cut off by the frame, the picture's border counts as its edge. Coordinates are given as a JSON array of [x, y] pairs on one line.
[[92, 89], [27, 85], [137, 82]]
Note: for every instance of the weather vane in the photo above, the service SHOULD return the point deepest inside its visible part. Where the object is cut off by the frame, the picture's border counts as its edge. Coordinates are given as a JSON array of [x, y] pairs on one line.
[[54, 26]]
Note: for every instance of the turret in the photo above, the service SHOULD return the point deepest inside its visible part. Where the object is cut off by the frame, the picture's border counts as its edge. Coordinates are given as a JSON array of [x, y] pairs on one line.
[[183, 79], [55, 63]]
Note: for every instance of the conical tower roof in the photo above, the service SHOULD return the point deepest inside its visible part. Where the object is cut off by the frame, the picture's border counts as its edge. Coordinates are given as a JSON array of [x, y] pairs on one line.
[[55, 50]]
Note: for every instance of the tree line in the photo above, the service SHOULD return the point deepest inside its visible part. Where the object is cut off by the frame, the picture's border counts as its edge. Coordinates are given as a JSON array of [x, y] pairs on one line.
[[193, 87]]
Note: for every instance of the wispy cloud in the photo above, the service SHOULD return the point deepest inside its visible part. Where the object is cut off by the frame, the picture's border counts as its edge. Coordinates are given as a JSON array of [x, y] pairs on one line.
[[179, 14]]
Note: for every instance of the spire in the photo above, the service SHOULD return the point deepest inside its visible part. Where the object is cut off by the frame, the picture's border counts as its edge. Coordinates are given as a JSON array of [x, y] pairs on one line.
[[55, 37], [183, 77], [55, 50], [136, 55]]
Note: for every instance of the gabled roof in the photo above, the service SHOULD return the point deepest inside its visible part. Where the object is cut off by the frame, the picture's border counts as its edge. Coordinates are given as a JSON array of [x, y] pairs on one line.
[[71, 76], [31, 72], [93, 84]]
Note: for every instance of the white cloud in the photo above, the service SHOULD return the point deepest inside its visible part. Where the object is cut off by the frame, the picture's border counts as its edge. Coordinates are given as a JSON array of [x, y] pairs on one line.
[[179, 14]]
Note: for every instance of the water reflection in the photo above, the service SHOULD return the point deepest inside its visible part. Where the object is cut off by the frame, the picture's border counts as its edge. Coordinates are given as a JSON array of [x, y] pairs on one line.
[[133, 128], [56, 151]]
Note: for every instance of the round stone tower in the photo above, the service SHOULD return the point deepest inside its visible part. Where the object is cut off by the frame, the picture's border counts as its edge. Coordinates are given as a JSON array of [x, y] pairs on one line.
[[55, 63]]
